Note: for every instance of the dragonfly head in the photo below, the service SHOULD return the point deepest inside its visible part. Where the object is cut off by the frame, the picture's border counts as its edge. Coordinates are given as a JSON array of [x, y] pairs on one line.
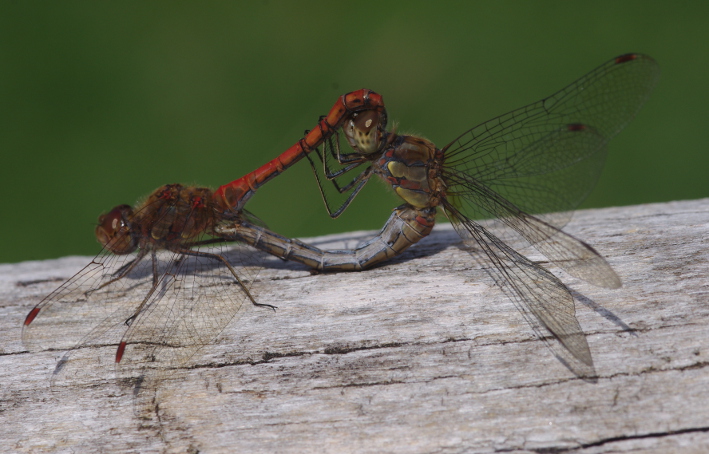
[[113, 230], [366, 131]]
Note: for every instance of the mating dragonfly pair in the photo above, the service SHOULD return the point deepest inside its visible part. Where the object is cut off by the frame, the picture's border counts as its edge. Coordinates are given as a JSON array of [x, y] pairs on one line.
[[524, 170]]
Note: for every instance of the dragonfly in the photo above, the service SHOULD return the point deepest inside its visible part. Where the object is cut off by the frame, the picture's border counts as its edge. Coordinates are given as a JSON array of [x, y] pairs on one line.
[[522, 172], [165, 283]]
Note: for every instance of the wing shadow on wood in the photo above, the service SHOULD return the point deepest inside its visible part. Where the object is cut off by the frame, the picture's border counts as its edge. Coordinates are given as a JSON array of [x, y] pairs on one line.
[[545, 302], [602, 311]]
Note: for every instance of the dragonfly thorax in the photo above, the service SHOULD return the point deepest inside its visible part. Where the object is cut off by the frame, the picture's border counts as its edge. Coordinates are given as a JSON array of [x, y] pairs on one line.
[[409, 166], [169, 218]]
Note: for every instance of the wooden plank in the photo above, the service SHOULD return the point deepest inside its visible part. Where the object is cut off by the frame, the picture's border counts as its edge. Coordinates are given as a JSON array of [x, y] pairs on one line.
[[424, 354]]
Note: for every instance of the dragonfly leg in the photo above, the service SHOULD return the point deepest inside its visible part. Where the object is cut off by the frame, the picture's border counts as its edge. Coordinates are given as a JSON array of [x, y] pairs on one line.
[[360, 180], [156, 281], [121, 272], [231, 270]]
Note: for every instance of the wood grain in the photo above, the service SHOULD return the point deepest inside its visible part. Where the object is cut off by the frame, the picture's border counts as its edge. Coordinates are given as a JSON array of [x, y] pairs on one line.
[[423, 354]]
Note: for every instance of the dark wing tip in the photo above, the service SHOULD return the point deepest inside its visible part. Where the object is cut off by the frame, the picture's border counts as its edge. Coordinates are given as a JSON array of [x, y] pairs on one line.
[[119, 352], [626, 58], [31, 316]]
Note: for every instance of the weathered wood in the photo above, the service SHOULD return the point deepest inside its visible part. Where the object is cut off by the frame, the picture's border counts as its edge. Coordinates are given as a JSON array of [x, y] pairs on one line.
[[421, 355]]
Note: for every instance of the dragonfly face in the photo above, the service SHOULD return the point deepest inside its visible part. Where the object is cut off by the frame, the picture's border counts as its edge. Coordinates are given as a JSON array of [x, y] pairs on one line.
[[366, 131], [113, 230]]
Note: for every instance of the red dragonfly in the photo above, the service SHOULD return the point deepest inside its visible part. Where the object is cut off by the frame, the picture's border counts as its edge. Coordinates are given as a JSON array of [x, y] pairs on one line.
[[522, 171], [151, 289]]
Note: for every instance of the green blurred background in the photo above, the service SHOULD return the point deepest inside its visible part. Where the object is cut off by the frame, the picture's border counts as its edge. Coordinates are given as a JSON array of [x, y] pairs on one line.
[[102, 102]]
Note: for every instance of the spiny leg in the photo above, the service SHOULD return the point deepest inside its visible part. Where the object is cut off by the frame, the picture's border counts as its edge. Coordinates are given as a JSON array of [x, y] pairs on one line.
[[231, 269], [122, 272]]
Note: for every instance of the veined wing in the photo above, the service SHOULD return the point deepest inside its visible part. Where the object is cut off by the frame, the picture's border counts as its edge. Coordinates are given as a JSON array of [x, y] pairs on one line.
[[544, 301], [156, 307], [533, 156], [83, 306], [510, 223], [195, 301]]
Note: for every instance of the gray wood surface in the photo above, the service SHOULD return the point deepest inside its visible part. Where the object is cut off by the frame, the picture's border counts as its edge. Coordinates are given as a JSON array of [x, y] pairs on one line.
[[423, 354]]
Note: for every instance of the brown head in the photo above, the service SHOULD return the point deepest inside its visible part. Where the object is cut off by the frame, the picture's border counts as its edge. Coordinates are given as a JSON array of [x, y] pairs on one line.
[[366, 131], [113, 230]]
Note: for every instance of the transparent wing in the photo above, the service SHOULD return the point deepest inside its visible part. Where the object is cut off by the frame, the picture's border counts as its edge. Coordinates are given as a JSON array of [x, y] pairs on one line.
[[544, 301], [158, 308], [197, 298], [82, 307], [547, 156], [469, 194]]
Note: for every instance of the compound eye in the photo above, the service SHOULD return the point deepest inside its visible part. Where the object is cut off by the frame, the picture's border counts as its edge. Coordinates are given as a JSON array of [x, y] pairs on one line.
[[364, 131], [366, 121], [113, 231]]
